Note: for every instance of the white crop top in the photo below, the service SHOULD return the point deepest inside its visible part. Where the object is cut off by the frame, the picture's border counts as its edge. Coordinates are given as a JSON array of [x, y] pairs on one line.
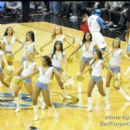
[[61, 39], [28, 69], [29, 47], [45, 76], [87, 52], [57, 60], [9, 46], [115, 58], [97, 68]]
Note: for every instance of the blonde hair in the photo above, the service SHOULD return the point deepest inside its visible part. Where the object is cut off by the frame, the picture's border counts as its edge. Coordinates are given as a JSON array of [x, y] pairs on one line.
[[54, 33], [119, 41]]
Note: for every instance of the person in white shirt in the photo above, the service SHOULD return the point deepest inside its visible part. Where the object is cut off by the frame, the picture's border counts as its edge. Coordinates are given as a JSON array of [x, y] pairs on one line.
[[96, 64], [3, 64], [56, 36], [24, 74], [8, 41], [87, 47], [58, 60], [29, 45], [42, 85], [115, 57], [95, 24]]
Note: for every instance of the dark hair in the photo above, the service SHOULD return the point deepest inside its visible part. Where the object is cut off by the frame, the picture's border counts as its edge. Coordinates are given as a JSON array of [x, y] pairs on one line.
[[119, 40], [61, 48], [99, 53], [33, 128], [48, 60], [5, 34], [84, 39], [31, 34]]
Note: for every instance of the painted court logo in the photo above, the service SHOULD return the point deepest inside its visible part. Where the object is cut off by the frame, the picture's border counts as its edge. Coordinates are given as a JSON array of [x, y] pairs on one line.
[[7, 102]]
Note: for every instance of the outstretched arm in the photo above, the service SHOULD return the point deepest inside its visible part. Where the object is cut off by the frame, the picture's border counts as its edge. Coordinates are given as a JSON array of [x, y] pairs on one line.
[[18, 71], [104, 65], [57, 73], [74, 52], [41, 49], [19, 49], [4, 60], [125, 55], [31, 75]]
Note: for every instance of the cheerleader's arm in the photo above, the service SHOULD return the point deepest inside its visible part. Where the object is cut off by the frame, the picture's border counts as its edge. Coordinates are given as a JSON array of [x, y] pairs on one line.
[[104, 65], [18, 50], [41, 48], [5, 61], [31, 75], [125, 55], [76, 50]]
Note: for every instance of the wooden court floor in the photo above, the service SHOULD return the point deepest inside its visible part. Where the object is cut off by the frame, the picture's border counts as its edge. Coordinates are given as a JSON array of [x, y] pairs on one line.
[[74, 116]]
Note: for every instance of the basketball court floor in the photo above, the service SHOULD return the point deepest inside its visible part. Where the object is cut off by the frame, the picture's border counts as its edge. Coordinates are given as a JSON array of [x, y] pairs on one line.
[[73, 115]]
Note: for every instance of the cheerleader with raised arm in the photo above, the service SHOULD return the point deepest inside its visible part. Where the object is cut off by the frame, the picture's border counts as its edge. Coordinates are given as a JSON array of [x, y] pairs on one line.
[[87, 46], [58, 60], [42, 85], [29, 44], [23, 76], [56, 36], [8, 41], [116, 54], [96, 64]]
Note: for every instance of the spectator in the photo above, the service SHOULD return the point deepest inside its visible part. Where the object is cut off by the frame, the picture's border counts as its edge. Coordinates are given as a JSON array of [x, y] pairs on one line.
[[114, 12], [14, 8], [123, 17], [54, 7], [38, 5], [74, 8], [66, 9], [47, 5], [84, 24], [2, 8]]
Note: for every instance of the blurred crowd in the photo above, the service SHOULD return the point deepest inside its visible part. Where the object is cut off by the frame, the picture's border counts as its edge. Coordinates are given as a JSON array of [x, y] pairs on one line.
[[114, 13]]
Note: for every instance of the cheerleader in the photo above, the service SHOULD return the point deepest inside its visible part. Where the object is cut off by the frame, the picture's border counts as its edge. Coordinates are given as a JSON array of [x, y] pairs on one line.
[[9, 40], [45, 73], [56, 36], [97, 64], [87, 46], [29, 44], [8, 71], [24, 75], [3, 64], [58, 59], [114, 64]]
